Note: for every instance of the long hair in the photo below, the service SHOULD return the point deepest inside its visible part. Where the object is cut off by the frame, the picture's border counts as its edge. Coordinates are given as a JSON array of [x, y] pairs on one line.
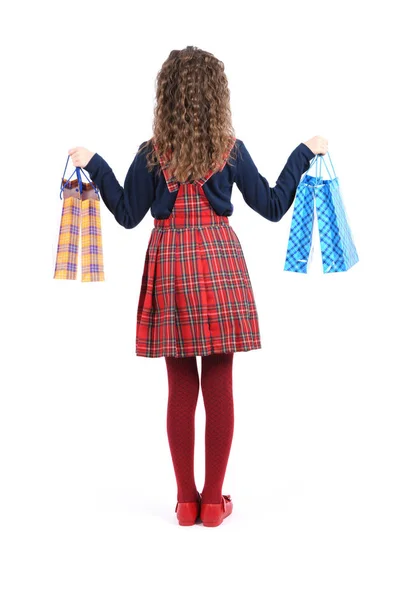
[[192, 126]]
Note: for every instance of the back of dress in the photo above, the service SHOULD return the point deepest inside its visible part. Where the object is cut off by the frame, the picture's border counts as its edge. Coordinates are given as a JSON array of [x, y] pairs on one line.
[[196, 296]]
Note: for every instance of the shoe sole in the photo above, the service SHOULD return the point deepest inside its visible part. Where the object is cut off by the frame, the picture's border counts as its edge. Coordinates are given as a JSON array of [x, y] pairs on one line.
[[188, 523]]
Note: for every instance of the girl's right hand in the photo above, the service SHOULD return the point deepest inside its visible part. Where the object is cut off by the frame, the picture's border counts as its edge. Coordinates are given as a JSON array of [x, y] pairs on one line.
[[318, 144]]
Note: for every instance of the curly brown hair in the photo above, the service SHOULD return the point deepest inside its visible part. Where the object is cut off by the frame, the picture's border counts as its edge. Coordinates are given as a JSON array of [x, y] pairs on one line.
[[192, 126]]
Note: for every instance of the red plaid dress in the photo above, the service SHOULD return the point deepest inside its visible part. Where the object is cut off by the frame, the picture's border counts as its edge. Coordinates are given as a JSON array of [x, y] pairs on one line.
[[196, 296]]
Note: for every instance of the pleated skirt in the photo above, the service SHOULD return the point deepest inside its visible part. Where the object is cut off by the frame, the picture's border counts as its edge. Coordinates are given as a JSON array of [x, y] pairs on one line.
[[196, 296]]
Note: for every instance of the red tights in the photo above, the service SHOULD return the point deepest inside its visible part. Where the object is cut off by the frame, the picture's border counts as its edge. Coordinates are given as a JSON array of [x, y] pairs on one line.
[[216, 386]]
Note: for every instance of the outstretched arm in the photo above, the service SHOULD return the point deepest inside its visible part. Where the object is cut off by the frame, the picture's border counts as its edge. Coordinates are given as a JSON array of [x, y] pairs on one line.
[[271, 202], [130, 203]]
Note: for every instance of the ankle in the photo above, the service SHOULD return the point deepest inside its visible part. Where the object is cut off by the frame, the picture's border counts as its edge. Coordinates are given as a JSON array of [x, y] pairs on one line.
[[211, 498], [189, 497]]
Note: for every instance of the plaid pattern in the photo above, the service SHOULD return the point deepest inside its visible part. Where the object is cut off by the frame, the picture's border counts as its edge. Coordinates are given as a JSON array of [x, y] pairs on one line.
[[196, 296], [80, 217], [337, 246], [301, 228]]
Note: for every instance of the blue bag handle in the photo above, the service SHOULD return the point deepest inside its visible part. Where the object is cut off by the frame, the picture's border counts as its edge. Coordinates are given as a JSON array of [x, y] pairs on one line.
[[319, 164], [79, 177]]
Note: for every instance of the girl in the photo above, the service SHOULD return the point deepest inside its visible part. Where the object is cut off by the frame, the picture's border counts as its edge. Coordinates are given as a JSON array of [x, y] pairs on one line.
[[196, 297]]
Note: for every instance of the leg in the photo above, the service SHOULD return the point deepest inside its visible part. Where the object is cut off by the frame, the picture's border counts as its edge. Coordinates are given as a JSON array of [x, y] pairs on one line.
[[216, 385], [183, 391]]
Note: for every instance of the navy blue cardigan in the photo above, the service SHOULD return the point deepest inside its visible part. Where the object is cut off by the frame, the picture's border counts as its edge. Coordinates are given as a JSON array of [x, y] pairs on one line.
[[144, 190]]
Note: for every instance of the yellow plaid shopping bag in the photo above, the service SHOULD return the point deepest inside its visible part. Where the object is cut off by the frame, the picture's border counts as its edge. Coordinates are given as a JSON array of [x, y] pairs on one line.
[[80, 218]]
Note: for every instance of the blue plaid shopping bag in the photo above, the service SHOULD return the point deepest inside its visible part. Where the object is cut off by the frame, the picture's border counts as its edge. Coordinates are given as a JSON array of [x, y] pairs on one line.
[[322, 196]]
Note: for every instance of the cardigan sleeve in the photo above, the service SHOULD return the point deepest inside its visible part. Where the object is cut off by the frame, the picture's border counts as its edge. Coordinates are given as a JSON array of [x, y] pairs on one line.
[[129, 203], [271, 202]]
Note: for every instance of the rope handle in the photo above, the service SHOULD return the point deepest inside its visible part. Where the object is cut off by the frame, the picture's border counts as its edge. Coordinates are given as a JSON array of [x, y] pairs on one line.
[[318, 163], [79, 177]]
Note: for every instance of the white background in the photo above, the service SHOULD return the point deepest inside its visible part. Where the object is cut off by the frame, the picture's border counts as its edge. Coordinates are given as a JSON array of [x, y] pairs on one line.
[[87, 485]]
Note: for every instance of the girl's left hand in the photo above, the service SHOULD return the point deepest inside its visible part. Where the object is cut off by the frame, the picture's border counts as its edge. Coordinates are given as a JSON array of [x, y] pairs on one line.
[[80, 156]]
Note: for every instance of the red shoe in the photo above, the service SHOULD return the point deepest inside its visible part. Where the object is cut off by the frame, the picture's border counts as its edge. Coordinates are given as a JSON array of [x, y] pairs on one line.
[[212, 515], [188, 512]]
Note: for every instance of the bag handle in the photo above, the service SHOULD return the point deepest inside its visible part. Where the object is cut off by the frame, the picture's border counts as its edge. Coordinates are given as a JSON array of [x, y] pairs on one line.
[[79, 177], [317, 159]]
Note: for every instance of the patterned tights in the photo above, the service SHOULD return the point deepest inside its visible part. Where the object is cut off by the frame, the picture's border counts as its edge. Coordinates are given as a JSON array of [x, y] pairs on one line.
[[216, 386]]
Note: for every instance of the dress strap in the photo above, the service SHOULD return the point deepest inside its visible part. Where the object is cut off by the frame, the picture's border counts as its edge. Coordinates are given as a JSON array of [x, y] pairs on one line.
[[171, 182], [170, 179]]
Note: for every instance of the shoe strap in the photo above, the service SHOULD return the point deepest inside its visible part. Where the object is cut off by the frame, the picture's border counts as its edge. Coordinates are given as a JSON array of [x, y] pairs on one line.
[[225, 498]]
